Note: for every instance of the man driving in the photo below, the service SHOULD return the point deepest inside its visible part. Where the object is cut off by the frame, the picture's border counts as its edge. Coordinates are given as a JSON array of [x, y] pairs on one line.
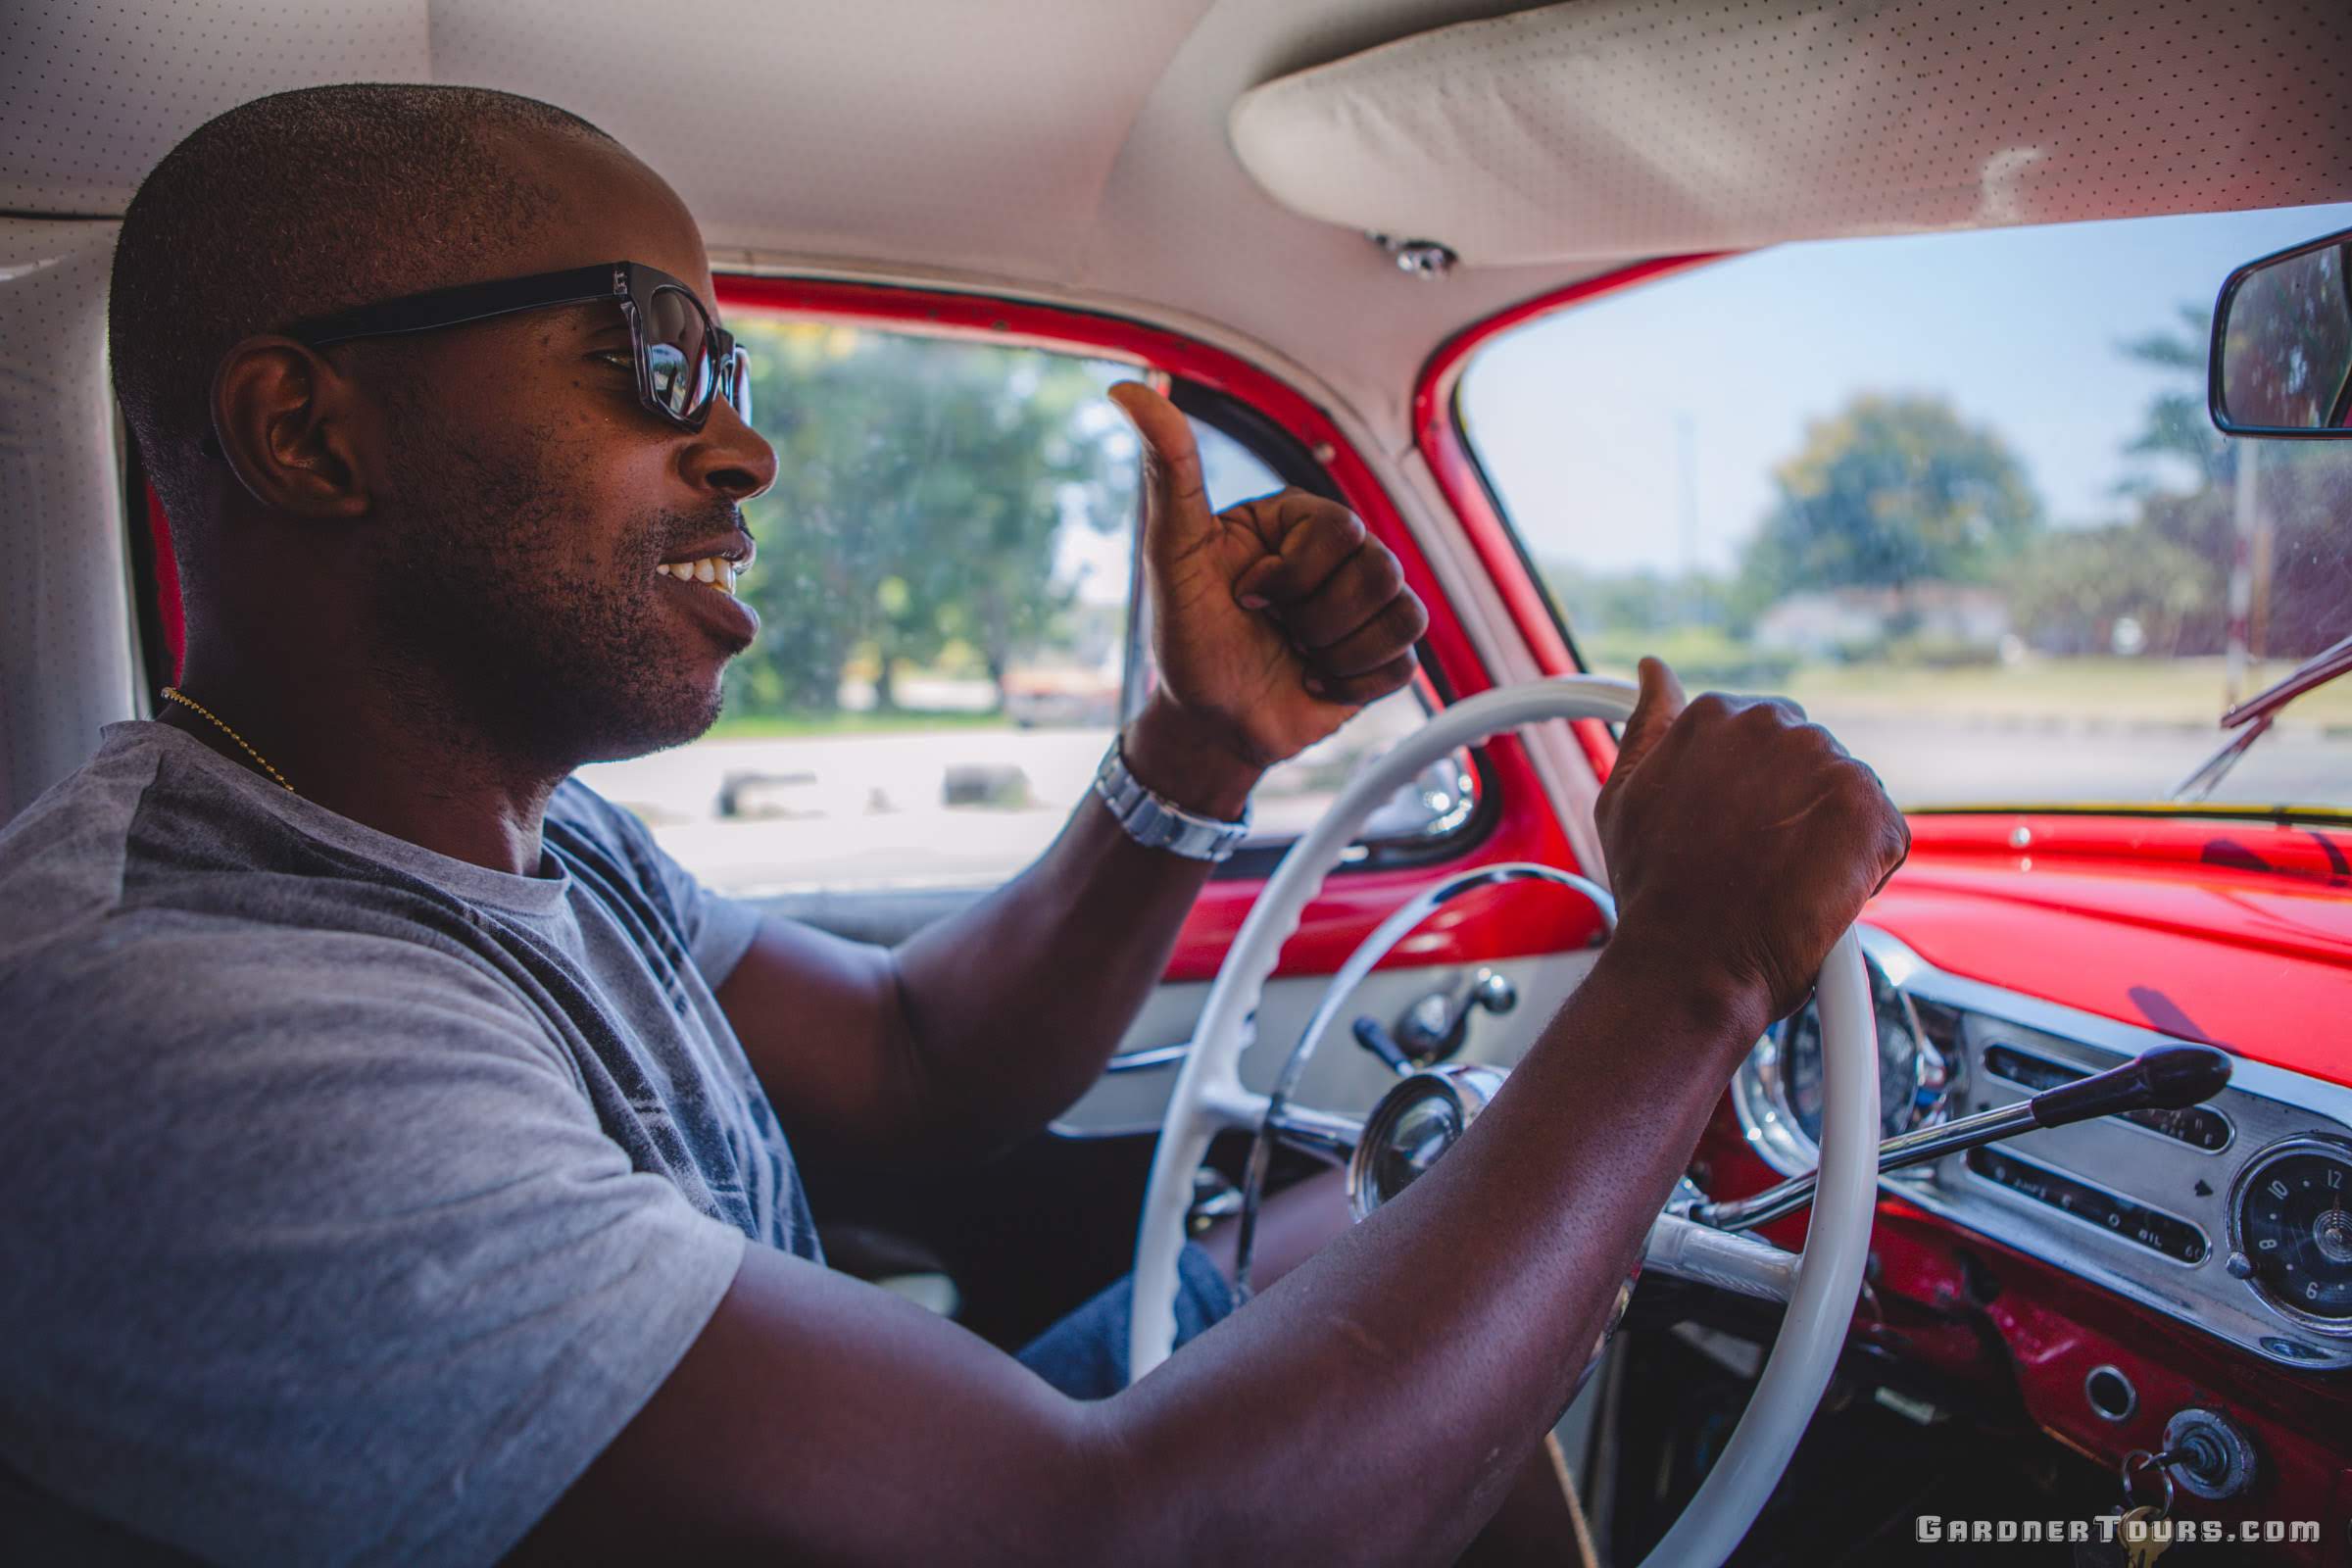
[[401, 1160]]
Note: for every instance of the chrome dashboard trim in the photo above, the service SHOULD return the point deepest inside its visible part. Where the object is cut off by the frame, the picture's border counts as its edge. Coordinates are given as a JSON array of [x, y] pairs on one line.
[[1777, 1139], [2131, 1393], [2264, 1104], [2066, 1218]]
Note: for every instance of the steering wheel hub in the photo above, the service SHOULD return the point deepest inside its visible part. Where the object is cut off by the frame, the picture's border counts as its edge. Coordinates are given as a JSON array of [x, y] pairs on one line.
[[1413, 1127]]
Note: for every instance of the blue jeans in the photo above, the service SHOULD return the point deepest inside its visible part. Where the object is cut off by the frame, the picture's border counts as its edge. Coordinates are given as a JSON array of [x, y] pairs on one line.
[[1085, 1355]]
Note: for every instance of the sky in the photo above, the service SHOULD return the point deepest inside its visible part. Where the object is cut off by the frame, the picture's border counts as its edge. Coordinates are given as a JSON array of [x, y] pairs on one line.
[[1576, 416]]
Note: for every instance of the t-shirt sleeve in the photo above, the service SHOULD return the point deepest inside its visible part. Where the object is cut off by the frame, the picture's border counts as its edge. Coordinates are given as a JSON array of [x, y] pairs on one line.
[[717, 929], [317, 1252]]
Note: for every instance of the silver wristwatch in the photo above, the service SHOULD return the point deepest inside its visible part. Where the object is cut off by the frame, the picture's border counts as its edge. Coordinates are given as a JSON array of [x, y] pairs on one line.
[[1159, 824]]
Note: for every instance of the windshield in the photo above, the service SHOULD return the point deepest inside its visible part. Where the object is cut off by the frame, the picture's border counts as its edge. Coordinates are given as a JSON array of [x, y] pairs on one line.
[[1957, 494]]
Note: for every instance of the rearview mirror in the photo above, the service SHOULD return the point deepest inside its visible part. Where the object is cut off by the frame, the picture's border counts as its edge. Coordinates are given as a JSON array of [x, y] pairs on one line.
[[2283, 344]]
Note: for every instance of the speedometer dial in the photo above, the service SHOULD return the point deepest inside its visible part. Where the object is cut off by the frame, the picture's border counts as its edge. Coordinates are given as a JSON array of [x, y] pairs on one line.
[[1907, 1065], [1776, 1093], [2293, 1218]]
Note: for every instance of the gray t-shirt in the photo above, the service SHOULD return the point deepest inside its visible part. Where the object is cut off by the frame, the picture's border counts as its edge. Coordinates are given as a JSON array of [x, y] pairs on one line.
[[356, 1197]]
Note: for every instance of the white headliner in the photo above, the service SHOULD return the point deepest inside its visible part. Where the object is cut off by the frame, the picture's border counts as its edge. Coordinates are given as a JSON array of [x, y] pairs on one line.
[[1079, 150]]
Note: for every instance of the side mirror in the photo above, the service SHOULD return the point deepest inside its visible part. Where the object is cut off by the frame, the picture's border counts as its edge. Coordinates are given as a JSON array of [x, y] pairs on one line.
[[2283, 344]]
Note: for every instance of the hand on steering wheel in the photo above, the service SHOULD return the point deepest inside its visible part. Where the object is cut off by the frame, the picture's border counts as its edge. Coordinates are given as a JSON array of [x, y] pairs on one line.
[[1751, 889]]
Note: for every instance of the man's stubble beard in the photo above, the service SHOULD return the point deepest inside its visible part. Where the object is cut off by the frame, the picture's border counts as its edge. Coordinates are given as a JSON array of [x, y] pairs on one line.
[[509, 634]]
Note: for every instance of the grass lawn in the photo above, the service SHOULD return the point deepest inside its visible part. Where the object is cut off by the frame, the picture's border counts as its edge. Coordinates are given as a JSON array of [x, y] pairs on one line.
[[2159, 691], [795, 726], [2168, 691]]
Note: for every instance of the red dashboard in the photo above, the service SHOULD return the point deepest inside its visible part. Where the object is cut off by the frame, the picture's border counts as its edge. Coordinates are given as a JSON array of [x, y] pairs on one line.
[[2231, 932]]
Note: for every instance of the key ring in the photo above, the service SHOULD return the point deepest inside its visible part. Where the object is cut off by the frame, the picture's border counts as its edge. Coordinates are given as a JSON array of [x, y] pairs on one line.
[[2161, 1463]]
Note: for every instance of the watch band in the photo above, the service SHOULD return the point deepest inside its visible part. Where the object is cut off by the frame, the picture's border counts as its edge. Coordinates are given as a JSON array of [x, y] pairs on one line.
[[1160, 823]]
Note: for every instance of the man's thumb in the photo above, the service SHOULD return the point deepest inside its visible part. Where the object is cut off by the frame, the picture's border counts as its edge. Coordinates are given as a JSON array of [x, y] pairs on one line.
[[1654, 713], [1176, 511]]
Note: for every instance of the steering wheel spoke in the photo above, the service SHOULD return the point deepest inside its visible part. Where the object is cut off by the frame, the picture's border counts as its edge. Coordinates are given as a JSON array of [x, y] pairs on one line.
[[1686, 1249], [1230, 1107], [1328, 1134]]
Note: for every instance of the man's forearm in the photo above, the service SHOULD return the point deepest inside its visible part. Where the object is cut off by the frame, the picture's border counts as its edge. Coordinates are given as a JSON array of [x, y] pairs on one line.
[[1012, 1006], [1398, 1376]]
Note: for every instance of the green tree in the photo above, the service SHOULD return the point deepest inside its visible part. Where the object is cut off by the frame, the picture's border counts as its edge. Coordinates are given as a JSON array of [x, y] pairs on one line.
[[2176, 424], [2075, 586], [2185, 517], [921, 486], [1887, 492]]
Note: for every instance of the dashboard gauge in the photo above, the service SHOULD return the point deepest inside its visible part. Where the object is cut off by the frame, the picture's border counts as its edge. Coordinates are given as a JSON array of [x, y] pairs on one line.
[[1907, 1064], [2292, 1216], [1778, 1090]]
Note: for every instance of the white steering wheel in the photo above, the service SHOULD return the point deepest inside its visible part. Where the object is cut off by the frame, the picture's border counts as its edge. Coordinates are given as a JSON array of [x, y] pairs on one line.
[[1820, 1283]]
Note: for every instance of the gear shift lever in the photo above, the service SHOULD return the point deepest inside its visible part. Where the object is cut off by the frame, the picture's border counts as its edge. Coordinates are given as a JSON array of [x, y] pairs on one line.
[[2167, 1078]]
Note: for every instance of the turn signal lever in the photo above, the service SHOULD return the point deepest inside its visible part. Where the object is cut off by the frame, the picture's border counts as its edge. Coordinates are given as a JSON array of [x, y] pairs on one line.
[[2167, 1078]]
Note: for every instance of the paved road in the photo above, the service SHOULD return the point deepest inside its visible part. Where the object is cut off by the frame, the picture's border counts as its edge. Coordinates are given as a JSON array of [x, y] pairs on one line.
[[1927, 762], [866, 811]]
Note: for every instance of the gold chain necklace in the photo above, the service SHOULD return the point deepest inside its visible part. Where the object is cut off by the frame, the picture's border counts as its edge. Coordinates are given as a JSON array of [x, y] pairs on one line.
[[182, 697]]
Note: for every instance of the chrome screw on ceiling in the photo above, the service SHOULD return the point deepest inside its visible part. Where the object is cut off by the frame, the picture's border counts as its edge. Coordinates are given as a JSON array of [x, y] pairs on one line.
[[1420, 258]]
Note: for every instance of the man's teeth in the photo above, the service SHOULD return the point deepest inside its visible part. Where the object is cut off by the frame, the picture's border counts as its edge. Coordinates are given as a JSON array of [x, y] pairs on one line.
[[716, 571]]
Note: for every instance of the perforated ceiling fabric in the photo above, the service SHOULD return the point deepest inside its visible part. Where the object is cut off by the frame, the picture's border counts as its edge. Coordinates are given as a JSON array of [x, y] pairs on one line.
[[1609, 128], [883, 129], [65, 640], [92, 94]]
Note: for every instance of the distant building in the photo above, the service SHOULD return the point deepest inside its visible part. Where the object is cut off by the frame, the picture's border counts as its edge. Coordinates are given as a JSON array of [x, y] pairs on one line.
[[1820, 625]]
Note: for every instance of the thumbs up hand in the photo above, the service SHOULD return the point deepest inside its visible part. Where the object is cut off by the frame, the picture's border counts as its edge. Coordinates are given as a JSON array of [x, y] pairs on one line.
[[1741, 840], [1272, 622]]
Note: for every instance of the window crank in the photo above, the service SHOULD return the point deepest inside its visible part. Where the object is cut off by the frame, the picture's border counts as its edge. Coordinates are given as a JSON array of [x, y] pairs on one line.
[[1378, 1041], [1432, 1029]]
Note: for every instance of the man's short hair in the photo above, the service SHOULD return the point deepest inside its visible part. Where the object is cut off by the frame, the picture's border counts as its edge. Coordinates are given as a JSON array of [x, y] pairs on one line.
[[299, 204]]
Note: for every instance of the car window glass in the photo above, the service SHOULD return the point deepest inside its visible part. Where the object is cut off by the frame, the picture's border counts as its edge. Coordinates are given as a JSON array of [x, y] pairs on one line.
[[943, 582], [1958, 494]]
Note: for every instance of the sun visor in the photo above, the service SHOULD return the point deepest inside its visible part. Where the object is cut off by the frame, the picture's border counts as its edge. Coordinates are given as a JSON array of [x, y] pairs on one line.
[[1608, 129]]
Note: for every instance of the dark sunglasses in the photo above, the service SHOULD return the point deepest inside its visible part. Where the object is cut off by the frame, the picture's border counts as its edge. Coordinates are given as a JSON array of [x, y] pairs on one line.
[[685, 361]]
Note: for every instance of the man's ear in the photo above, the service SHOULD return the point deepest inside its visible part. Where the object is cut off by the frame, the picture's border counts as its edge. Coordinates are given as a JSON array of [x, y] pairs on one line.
[[285, 421]]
